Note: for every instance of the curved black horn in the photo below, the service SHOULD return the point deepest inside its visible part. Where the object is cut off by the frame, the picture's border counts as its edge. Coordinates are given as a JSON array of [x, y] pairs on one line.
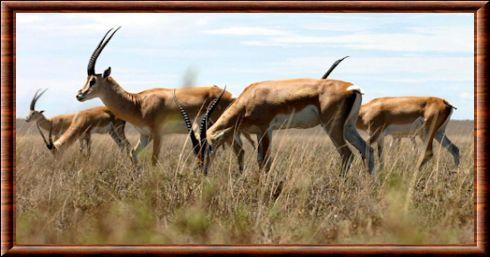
[[37, 95], [333, 67], [203, 126], [195, 143], [98, 50], [49, 144]]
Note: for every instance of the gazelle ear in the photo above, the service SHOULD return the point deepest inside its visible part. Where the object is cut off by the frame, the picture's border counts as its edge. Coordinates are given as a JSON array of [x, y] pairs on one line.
[[107, 72], [41, 111]]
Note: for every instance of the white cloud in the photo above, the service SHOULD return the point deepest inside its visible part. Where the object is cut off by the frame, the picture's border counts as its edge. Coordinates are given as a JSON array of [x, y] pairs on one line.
[[247, 31], [436, 67], [391, 54], [455, 39]]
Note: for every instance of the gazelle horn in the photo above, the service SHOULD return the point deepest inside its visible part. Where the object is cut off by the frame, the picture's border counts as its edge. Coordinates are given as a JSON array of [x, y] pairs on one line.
[[333, 67], [98, 50], [195, 143], [35, 98], [203, 126]]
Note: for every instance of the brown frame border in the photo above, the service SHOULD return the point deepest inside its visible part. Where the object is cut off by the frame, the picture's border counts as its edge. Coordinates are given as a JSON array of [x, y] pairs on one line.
[[9, 8]]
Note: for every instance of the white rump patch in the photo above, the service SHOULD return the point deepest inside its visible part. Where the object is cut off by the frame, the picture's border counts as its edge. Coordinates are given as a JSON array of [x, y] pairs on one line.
[[308, 117], [354, 87]]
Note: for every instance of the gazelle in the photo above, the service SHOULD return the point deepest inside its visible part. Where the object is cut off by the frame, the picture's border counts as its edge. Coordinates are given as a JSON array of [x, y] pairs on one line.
[[153, 112], [84, 123], [295, 103], [81, 125], [408, 116]]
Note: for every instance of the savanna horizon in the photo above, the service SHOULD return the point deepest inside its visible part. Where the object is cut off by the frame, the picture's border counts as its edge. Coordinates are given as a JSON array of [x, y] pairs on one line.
[[301, 200]]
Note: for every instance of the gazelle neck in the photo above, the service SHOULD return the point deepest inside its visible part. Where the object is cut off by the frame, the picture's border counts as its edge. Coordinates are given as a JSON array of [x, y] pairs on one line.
[[44, 123], [123, 104]]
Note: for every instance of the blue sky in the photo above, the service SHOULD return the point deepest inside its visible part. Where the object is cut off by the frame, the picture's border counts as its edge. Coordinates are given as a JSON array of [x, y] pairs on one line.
[[390, 54]]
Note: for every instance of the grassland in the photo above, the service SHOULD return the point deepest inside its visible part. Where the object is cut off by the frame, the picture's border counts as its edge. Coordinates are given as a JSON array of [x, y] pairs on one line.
[[101, 200]]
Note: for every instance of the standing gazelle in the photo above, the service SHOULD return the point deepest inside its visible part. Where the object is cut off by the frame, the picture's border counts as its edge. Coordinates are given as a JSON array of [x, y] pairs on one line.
[[153, 112], [78, 126], [408, 116], [295, 103]]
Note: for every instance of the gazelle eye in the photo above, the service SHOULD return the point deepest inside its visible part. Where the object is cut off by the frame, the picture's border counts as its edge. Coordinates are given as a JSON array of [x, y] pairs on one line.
[[92, 83]]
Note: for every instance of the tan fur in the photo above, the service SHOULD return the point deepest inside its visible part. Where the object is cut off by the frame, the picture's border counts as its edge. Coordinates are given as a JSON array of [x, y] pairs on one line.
[[261, 102], [380, 113], [153, 112], [81, 125]]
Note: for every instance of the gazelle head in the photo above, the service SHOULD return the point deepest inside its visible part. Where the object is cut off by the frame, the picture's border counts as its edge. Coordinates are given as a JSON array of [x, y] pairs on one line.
[[202, 148], [95, 81], [34, 115]]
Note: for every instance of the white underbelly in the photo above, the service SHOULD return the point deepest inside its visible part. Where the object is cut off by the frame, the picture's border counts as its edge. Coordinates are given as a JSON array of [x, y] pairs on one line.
[[305, 118], [403, 130]]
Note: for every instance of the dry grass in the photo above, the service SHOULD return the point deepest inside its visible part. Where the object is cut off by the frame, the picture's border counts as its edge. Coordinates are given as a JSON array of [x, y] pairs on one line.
[[74, 200]]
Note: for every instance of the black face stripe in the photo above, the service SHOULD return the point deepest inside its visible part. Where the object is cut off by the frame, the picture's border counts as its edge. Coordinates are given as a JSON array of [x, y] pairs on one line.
[[92, 82]]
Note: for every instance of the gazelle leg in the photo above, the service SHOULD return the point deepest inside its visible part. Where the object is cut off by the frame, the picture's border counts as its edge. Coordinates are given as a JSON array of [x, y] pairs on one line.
[[237, 146], [117, 134], [156, 149], [143, 141], [414, 143], [82, 145], [89, 145], [85, 145], [337, 136], [264, 151], [392, 142], [352, 136], [429, 133], [380, 145], [450, 146]]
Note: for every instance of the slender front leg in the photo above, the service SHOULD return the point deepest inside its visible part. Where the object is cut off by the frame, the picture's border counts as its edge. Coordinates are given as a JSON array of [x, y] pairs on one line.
[[116, 132], [263, 153], [82, 145], [352, 136], [85, 145], [380, 144], [142, 143], [156, 149], [336, 134], [237, 146], [89, 144]]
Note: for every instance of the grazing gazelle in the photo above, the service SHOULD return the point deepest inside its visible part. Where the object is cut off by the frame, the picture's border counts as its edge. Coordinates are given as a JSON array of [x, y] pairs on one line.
[[94, 120], [153, 112], [295, 103], [408, 116], [84, 123]]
